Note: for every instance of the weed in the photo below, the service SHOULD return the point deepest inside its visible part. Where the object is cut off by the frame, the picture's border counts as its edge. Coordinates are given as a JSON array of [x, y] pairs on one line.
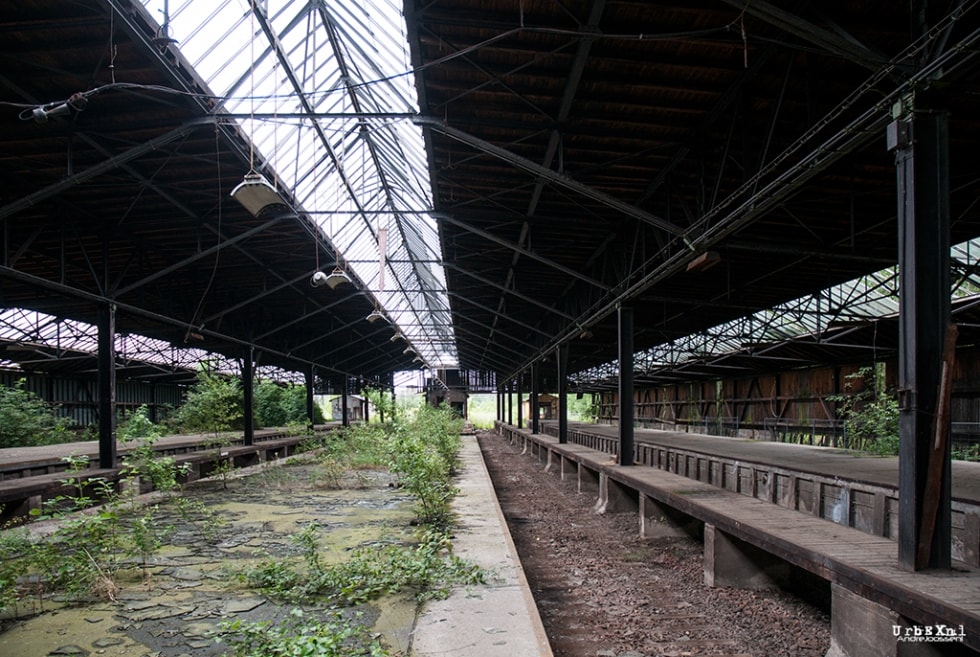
[[427, 569], [330, 635]]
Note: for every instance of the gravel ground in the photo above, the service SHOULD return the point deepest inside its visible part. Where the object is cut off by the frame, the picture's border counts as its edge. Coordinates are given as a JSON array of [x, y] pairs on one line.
[[603, 591]]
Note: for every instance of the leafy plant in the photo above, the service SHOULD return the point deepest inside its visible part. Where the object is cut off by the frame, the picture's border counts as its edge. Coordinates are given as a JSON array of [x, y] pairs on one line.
[[870, 411], [138, 426], [222, 463], [26, 419], [14, 546], [383, 402], [282, 406], [426, 568], [423, 453], [161, 470], [330, 635], [214, 404]]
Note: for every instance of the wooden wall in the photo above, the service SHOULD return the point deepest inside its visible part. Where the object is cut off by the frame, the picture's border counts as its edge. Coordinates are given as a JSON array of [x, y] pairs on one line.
[[791, 405]]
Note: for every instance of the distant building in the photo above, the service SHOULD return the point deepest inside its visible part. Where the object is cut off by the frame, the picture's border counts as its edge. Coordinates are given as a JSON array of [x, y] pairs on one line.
[[547, 407], [356, 406]]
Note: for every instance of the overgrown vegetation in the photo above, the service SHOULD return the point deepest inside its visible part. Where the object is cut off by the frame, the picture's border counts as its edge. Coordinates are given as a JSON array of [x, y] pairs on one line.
[[422, 449], [426, 569], [26, 419], [282, 406], [214, 404], [81, 558], [482, 409], [331, 634], [869, 411]]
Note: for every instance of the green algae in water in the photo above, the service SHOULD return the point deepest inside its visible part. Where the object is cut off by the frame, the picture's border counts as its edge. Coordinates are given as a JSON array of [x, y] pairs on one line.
[[190, 591]]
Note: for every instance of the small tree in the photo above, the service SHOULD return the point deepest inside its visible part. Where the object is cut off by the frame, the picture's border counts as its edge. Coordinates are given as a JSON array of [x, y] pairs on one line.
[[270, 411], [213, 405], [871, 412], [383, 402], [280, 406]]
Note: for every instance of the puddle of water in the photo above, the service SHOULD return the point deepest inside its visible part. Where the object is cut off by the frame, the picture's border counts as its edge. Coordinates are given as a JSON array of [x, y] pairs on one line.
[[191, 589]]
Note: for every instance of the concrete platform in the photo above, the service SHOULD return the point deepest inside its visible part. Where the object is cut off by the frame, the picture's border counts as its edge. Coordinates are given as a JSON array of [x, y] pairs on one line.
[[496, 619]]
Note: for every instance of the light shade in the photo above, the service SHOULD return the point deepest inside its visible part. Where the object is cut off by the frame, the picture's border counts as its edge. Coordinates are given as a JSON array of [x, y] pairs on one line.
[[375, 315], [257, 195], [397, 336], [337, 277], [704, 261]]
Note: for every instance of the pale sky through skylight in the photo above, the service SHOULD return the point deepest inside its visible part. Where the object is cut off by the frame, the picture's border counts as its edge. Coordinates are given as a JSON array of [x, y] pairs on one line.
[[328, 103]]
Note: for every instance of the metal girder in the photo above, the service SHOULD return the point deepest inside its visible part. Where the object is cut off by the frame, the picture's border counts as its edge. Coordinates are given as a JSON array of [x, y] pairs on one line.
[[502, 288], [519, 249], [113, 162], [498, 314], [550, 175], [202, 254], [844, 46]]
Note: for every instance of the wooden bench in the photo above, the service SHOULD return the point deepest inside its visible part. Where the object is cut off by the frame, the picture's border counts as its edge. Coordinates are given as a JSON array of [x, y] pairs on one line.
[[750, 542]]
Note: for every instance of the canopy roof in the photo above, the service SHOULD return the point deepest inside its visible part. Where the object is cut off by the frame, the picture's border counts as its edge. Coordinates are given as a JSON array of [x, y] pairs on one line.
[[700, 161], [496, 177]]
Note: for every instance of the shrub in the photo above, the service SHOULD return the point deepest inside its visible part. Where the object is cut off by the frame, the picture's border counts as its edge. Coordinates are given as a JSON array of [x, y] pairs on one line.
[[214, 404], [26, 419], [329, 635], [871, 413]]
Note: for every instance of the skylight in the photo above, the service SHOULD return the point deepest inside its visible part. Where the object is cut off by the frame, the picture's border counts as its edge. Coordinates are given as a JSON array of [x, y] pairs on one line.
[[323, 89]]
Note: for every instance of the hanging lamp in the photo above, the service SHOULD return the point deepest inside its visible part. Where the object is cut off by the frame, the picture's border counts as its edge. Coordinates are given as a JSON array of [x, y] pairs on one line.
[[257, 195], [375, 315], [337, 277], [254, 192]]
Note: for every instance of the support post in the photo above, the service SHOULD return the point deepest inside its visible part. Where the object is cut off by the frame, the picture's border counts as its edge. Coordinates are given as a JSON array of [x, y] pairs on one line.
[[344, 413], [510, 402], [563, 394], [107, 385], [520, 402], [310, 376], [920, 138], [535, 391], [625, 385], [248, 391]]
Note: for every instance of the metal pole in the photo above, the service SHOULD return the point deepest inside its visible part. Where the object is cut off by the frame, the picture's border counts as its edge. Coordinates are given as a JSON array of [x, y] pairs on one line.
[[535, 391], [625, 385], [107, 385], [920, 139], [563, 393], [248, 392], [520, 402]]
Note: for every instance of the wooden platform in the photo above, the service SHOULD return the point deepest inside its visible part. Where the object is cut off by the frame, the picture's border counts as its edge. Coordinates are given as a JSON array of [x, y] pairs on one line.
[[857, 561], [31, 475], [855, 490]]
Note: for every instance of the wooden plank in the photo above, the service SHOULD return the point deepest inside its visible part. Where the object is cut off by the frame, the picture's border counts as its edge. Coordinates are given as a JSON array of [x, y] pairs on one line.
[[938, 455]]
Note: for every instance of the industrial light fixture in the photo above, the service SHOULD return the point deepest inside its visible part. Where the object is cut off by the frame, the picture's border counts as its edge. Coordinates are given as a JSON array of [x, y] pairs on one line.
[[257, 195], [375, 315], [337, 277], [409, 350], [706, 260], [397, 336], [319, 278], [417, 359], [76, 103]]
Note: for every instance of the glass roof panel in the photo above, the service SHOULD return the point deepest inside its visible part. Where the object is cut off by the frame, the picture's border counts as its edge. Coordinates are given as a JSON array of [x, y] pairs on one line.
[[322, 88]]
